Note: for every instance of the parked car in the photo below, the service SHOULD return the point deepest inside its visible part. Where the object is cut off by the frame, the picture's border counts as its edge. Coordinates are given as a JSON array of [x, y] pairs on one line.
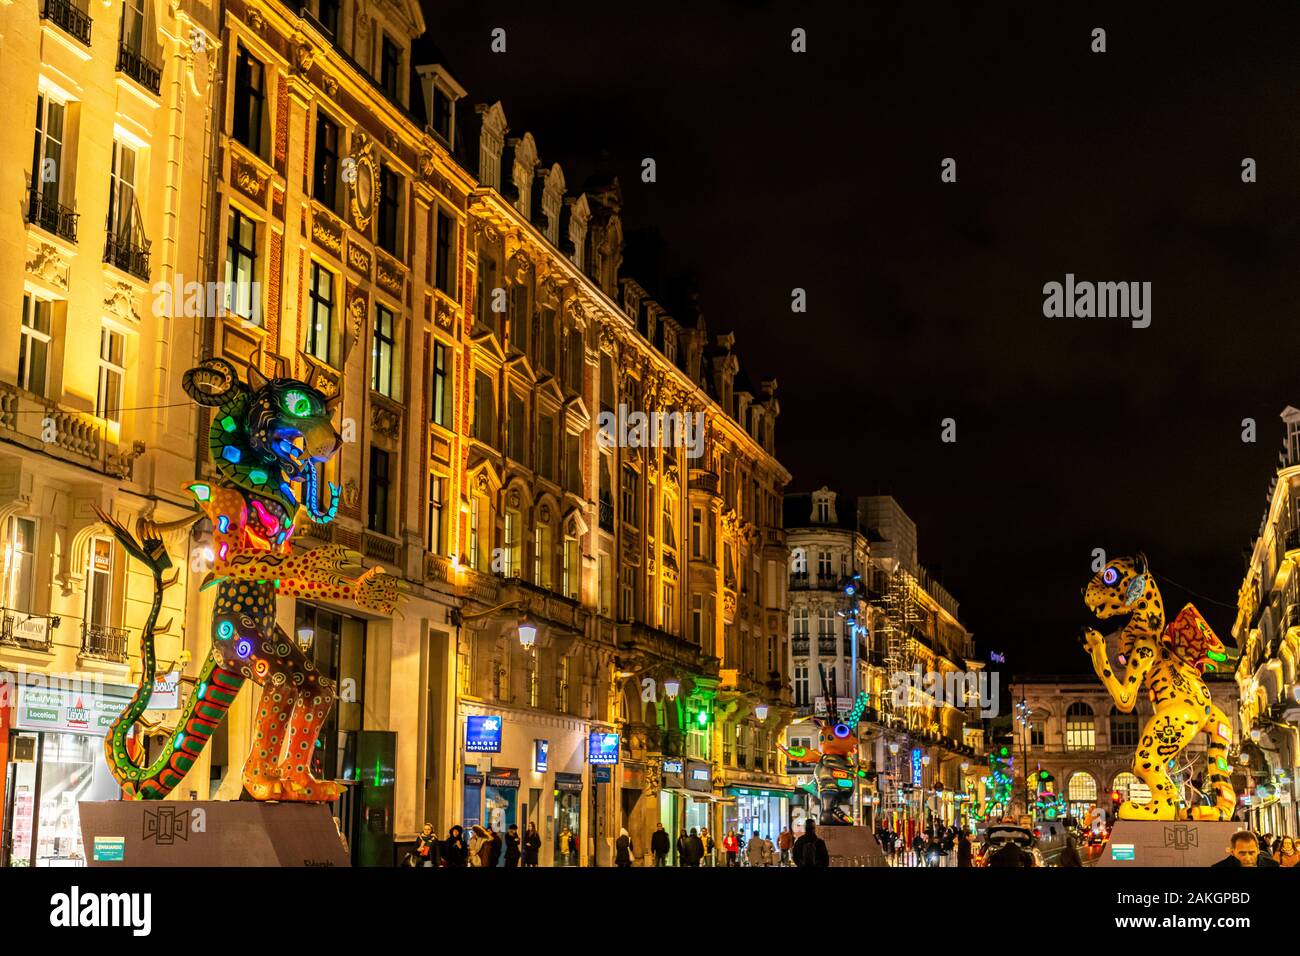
[[997, 834], [1050, 839]]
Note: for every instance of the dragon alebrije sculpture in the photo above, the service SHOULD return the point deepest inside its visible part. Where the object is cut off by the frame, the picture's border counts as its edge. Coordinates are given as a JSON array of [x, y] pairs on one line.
[[266, 437], [836, 757], [1168, 663]]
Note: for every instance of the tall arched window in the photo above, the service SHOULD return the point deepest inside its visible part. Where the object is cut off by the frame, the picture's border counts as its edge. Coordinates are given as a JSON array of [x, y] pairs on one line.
[[1080, 727], [1081, 794]]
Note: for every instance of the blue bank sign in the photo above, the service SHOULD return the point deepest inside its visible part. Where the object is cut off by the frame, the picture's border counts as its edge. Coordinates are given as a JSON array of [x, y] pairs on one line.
[[483, 734], [602, 748]]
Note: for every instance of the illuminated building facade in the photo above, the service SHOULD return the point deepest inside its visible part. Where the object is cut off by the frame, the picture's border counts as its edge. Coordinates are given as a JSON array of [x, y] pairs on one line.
[[921, 748], [1267, 634], [108, 137]]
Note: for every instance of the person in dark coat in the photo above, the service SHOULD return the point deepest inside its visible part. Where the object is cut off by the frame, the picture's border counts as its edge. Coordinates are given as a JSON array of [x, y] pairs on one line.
[[1009, 855], [1070, 855], [659, 845], [1243, 850], [694, 848], [964, 849], [454, 851], [810, 849], [683, 852], [492, 848], [532, 845], [512, 846], [623, 848]]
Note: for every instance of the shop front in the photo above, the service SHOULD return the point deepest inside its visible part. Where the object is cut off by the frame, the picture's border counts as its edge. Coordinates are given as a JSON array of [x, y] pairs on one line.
[[55, 744], [521, 767], [761, 810]]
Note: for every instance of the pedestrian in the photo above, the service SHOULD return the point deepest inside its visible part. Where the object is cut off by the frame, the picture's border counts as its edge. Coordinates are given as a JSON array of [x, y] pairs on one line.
[[1290, 853], [532, 844], [964, 850], [427, 850], [494, 849], [453, 848], [731, 846], [682, 851], [754, 850], [707, 840], [783, 843], [623, 848], [1070, 855], [659, 845], [568, 845], [1265, 844], [769, 852], [1243, 850], [512, 846], [479, 844], [810, 850], [694, 848], [918, 848], [1010, 855]]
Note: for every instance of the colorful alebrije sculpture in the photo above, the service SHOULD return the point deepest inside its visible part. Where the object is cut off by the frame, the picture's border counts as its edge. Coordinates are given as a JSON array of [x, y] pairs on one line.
[[836, 758], [267, 437], [1168, 663]]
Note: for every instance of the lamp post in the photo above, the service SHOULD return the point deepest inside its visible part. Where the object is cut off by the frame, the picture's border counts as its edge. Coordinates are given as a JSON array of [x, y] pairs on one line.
[[1022, 718]]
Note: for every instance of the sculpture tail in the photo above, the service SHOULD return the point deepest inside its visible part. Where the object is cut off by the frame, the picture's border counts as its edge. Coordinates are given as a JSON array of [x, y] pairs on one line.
[[203, 712]]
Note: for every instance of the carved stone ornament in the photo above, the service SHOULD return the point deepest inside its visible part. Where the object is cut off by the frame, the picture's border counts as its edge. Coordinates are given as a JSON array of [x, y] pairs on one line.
[[303, 53], [364, 184], [329, 85], [351, 493], [48, 264], [120, 302]]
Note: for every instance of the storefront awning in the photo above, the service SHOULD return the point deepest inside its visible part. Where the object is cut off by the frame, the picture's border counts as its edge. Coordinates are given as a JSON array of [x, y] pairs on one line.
[[766, 790], [503, 777], [568, 781]]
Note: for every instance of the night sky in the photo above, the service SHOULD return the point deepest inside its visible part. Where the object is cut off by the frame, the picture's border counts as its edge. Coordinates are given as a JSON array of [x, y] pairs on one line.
[[821, 170]]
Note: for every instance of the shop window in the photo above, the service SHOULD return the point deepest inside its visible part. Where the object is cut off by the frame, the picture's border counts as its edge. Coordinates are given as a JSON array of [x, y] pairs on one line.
[[336, 644]]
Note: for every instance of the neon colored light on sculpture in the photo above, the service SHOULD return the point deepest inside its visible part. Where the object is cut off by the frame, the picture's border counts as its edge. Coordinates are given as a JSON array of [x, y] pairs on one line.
[[836, 758], [267, 435], [1167, 663]]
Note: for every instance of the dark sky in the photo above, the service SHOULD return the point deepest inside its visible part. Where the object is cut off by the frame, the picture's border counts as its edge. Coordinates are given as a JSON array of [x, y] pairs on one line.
[[778, 170]]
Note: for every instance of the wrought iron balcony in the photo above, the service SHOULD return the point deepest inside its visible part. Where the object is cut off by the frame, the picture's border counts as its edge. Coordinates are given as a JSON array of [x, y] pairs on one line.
[[103, 642], [29, 632], [826, 646], [128, 255], [69, 18], [800, 646], [138, 68], [51, 215]]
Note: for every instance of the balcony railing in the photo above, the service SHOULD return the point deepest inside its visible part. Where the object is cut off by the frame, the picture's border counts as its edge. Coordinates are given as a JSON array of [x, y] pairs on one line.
[[128, 255], [805, 581], [30, 632], [800, 646], [138, 68], [51, 216], [67, 17], [826, 646], [103, 642]]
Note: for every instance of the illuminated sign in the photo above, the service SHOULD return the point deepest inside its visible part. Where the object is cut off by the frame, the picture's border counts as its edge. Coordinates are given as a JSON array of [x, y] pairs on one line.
[[541, 749], [672, 766], [602, 748], [483, 734], [916, 767], [1122, 851]]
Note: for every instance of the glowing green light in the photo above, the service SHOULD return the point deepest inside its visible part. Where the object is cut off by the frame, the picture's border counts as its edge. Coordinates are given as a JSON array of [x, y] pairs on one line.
[[702, 718], [228, 423], [297, 403], [1216, 656], [257, 476], [201, 491]]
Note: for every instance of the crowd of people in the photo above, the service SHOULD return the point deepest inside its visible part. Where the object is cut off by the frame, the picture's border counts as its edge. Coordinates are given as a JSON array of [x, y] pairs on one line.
[[1262, 850], [480, 845]]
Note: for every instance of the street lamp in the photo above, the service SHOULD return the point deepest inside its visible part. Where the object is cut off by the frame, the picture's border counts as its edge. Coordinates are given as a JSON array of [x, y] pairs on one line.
[[672, 687], [760, 711], [527, 634]]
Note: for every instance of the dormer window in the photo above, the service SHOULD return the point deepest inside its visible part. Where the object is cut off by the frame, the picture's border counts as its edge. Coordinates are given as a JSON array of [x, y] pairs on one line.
[[441, 111], [328, 15], [441, 92]]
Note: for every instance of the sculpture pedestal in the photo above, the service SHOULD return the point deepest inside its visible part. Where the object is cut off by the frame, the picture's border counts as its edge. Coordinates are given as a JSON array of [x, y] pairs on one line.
[[209, 833], [1135, 843], [852, 846]]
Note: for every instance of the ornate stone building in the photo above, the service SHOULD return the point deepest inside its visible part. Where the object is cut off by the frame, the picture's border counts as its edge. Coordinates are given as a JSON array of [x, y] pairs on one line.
[[108, 141], [655, 570]]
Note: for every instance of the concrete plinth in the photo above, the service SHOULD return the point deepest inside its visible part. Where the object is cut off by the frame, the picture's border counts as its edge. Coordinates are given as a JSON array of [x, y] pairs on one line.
[[1135, 843], [209, 833], [852, 846]]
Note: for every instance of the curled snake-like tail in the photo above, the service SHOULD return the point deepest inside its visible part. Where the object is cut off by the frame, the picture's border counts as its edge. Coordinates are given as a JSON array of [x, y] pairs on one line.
[[204, 710]]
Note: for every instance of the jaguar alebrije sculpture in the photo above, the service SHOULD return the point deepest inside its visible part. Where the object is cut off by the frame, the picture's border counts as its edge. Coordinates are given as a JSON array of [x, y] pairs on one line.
[[1168, 663], [266, 437], [835, 756]]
